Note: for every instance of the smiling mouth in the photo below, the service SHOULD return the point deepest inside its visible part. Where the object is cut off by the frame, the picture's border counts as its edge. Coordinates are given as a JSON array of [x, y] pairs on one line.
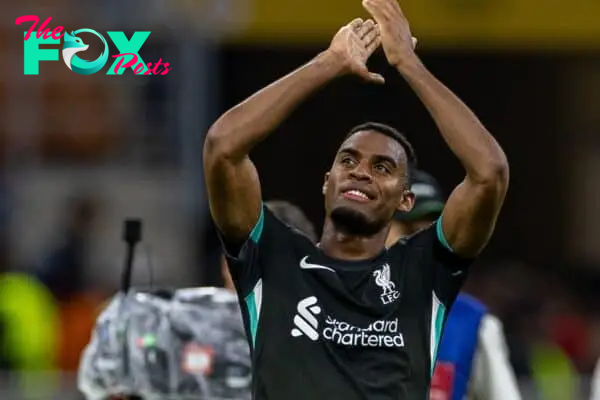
[[356, 195]]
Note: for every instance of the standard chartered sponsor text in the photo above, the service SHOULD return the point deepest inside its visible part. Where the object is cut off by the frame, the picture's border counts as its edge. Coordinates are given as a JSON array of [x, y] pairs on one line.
[[382, 333]]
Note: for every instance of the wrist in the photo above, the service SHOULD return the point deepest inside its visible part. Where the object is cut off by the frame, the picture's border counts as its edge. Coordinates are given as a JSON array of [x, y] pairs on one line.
[[330, 63], [409, 65]]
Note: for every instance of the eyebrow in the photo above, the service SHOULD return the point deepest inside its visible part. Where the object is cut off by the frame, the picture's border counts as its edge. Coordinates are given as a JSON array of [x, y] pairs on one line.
[[378, 157]]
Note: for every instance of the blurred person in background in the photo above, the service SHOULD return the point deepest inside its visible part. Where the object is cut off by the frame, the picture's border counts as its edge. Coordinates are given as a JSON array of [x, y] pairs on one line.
[[289, 214], [350, 275], [63, 272], [473, 361], [63, 269]]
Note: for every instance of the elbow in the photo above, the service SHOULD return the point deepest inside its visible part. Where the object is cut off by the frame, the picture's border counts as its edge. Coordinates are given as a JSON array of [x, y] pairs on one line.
[[499, 170], [494, 174], [217, 143], [215, 138], [228, 138]]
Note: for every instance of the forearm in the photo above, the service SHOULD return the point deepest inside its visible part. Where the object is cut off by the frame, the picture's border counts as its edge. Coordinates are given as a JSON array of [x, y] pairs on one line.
[[251, 121], [480, 154]]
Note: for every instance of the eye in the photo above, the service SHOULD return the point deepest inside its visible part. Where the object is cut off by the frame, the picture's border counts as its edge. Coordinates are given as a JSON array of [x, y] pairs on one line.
[[348, 161], [382, 169]]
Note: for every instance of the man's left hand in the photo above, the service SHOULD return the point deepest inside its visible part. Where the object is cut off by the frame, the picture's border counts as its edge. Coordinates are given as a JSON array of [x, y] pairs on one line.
[[396, 38]]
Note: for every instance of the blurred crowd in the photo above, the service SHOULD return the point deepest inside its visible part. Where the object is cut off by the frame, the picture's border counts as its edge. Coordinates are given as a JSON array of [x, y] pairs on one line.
[[551, 321]]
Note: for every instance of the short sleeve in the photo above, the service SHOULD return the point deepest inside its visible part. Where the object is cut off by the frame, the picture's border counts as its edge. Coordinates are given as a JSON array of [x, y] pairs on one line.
[[449, 269], [442, 270], [242, 261], [249, 262]]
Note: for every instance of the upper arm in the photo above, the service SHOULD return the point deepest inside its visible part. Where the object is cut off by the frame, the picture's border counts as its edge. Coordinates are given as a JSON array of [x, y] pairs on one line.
[[471, 212], [233, 190]]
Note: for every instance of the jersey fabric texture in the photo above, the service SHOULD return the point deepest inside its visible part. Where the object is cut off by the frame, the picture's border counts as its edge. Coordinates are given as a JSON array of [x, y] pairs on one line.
[[322, 328]]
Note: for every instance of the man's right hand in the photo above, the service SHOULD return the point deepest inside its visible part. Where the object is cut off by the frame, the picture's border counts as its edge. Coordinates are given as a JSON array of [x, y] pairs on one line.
[[352, 46]]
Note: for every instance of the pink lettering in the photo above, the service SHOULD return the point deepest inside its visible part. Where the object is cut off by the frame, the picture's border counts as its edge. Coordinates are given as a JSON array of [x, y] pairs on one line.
[[42, 31], [138, 68], [56, 33], [28, 18], [148, 71], [167, 69], [130, 63], [156, 69]]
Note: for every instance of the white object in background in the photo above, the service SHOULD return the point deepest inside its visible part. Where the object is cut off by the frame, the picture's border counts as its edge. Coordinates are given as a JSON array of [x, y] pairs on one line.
[[595, 394], [492, 377]]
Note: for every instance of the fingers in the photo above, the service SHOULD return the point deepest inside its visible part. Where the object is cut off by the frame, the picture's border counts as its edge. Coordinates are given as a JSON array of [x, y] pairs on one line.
[[372, 8], [356, 24], [371, 36], [373, 78], [376, 78], [369, 76], [367, 27], [383, 9], [368, 33], [373, 45]]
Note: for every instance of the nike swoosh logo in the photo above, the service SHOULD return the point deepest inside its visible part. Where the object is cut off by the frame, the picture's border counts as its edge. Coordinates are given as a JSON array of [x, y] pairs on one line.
[[305, 265]]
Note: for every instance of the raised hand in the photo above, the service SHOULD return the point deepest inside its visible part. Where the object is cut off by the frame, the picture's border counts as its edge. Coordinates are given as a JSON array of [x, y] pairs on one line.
[[396, 38], [352, 46]]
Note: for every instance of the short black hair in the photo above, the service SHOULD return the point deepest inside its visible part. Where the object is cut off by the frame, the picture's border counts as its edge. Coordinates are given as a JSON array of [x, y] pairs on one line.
[[411, 156]]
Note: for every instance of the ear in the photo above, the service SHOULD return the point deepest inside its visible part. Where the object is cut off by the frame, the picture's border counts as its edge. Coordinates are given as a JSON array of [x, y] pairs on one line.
[[407, 201], [325, 183]]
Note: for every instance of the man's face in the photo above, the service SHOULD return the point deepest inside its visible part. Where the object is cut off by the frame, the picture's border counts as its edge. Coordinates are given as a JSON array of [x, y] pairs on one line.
[[368, 181]]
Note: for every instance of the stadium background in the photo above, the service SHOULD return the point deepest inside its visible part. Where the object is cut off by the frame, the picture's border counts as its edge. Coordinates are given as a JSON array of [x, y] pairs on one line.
[[80, 153]]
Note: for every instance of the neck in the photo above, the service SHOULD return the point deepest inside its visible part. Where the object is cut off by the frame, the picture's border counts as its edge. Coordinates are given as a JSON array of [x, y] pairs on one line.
[[397, 232], [337, 244]]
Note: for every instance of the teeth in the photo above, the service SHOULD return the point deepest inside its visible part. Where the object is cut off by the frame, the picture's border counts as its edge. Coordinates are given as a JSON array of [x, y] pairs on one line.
[[358, 193]]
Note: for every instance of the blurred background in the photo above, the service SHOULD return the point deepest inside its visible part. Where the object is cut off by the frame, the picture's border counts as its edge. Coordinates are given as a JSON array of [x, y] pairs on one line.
[[81, 153]]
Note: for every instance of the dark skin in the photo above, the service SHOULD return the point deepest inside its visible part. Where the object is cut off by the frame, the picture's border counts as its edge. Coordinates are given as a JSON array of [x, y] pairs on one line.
[[376, 165], [471, 211], [470, 214]]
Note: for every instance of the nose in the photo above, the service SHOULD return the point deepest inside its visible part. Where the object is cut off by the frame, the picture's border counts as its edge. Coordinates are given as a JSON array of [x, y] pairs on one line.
[[361, 173]]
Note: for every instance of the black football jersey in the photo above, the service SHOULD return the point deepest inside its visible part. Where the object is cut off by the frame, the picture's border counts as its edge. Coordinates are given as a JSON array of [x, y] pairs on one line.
[[325, 329]]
